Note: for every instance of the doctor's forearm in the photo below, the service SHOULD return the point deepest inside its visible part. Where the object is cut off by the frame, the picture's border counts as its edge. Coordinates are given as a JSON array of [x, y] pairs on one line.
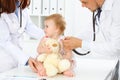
[[16, 53], [104, 48]]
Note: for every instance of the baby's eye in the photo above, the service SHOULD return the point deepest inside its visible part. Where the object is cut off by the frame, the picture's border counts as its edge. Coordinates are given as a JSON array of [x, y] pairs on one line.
[[46, 26]]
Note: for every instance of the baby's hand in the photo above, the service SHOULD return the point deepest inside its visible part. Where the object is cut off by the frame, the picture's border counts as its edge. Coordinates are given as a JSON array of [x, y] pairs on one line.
[[44, 49], [47, 49]]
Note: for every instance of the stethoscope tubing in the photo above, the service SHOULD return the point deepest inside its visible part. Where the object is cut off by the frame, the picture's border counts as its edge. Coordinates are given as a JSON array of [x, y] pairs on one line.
[[94, 36]]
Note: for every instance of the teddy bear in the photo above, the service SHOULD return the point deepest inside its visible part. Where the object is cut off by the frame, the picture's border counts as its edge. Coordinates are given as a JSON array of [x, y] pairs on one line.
[[53, 62]]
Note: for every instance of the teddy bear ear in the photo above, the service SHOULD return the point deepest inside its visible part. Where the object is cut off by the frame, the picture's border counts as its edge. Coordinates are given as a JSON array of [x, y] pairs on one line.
[[54, 45]]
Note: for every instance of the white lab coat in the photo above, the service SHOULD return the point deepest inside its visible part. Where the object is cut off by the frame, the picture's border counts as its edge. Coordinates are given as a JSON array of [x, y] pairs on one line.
[[11, 54], [107, 43]]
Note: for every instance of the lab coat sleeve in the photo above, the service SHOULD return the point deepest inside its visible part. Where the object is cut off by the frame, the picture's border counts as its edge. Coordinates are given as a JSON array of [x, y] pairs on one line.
[[11, 49], [32, 29], [111, 47], [17, 53]]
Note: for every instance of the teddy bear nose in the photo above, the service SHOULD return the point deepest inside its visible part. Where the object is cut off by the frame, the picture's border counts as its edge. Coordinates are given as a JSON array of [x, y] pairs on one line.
[[54, 45]]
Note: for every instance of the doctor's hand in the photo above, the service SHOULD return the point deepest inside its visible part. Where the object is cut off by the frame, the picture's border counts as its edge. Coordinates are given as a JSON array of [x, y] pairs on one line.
[[70, 43]]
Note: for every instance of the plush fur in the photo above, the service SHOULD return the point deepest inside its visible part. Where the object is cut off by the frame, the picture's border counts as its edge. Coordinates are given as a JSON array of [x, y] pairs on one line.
[[53, 62]]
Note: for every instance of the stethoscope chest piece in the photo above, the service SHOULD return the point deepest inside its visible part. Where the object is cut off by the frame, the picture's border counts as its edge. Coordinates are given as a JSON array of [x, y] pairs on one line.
[[21, 30]]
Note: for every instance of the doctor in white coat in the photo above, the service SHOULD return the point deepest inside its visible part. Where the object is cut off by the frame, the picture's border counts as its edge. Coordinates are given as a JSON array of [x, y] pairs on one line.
[[11, 32], [106, 42]]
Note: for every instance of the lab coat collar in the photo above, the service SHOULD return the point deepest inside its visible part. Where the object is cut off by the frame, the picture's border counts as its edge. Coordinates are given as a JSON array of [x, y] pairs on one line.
[[12, 23], [17, 4], [107, 5]]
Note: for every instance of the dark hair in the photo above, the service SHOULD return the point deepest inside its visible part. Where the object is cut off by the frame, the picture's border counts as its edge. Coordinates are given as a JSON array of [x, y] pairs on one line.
[[24, 3], [7, 6]]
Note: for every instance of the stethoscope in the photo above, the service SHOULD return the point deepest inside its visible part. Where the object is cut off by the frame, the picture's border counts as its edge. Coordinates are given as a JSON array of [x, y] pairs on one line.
[[21, 29], [94, 33], [20, 15], [20, 6]]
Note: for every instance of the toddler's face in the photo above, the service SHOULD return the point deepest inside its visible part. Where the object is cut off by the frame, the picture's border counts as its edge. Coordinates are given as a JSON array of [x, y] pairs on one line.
[[50, 28]]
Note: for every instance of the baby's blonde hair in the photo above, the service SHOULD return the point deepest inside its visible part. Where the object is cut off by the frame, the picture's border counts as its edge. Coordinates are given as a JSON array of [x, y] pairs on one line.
[[59, 21]]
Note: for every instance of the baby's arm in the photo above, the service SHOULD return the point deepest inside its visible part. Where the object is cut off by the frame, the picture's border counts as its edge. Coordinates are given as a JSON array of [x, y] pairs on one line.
[[39, 48], [42, 48], [69, 72], [67, 55]]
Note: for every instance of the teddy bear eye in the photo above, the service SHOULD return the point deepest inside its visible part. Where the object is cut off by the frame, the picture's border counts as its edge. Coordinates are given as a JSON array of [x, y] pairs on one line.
[[54, 45]]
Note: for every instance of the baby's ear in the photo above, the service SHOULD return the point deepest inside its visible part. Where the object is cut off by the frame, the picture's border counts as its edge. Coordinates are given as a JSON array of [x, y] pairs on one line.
[[57, 31], [54, 45]]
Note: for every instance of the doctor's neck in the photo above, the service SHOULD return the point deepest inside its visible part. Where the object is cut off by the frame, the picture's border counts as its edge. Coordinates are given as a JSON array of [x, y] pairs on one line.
[[100, 3]]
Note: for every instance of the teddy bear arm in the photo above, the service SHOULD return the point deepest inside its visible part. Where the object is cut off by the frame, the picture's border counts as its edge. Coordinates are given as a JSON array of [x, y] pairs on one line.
[[64, 65], [51, 70], [41, 57]]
